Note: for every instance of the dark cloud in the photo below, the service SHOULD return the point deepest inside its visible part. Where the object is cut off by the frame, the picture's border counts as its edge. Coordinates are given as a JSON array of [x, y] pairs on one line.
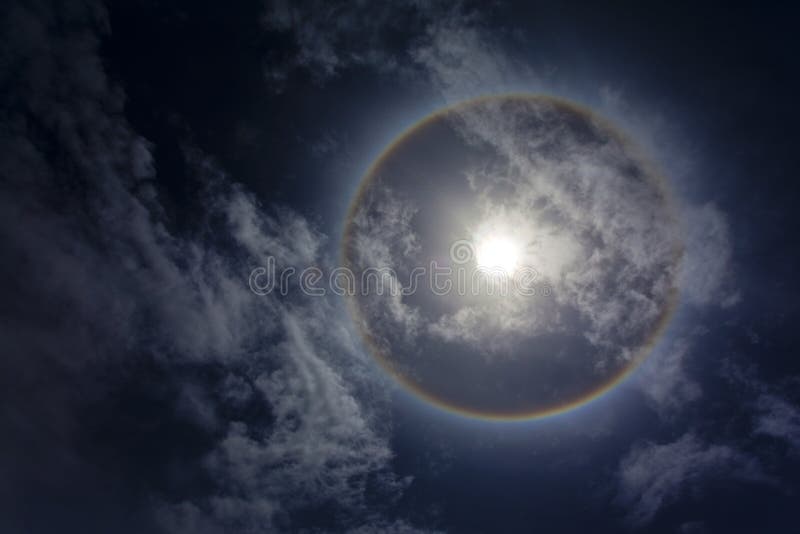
[[98, 286]]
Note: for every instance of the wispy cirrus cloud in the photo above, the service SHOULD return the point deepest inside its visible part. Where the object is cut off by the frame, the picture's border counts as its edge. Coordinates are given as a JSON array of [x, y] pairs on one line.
[[331, 37], [773, 408], [277, 404], [665, 379], [779, 418], [653, 476]]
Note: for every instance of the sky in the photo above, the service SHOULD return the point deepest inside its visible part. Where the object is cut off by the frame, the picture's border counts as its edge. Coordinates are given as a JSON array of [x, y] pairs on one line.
[[155, 155]]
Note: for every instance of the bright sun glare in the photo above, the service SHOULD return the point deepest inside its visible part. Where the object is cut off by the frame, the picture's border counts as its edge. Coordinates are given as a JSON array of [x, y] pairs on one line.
[[498, 253]]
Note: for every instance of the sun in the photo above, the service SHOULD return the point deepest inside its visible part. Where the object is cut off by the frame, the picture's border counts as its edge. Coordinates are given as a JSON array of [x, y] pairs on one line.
[[498, 252]]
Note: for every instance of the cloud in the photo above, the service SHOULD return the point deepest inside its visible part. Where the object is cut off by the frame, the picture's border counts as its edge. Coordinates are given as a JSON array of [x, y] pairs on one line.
[[603, 241], [462, 60], [319, 448], [443, 43], [778, 418], [705, 276], [280, 399], [773, 409], [653, 476], [331, 37], [457, 56], [386, 527], [664, 378], [382, 238], [692, 527]]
